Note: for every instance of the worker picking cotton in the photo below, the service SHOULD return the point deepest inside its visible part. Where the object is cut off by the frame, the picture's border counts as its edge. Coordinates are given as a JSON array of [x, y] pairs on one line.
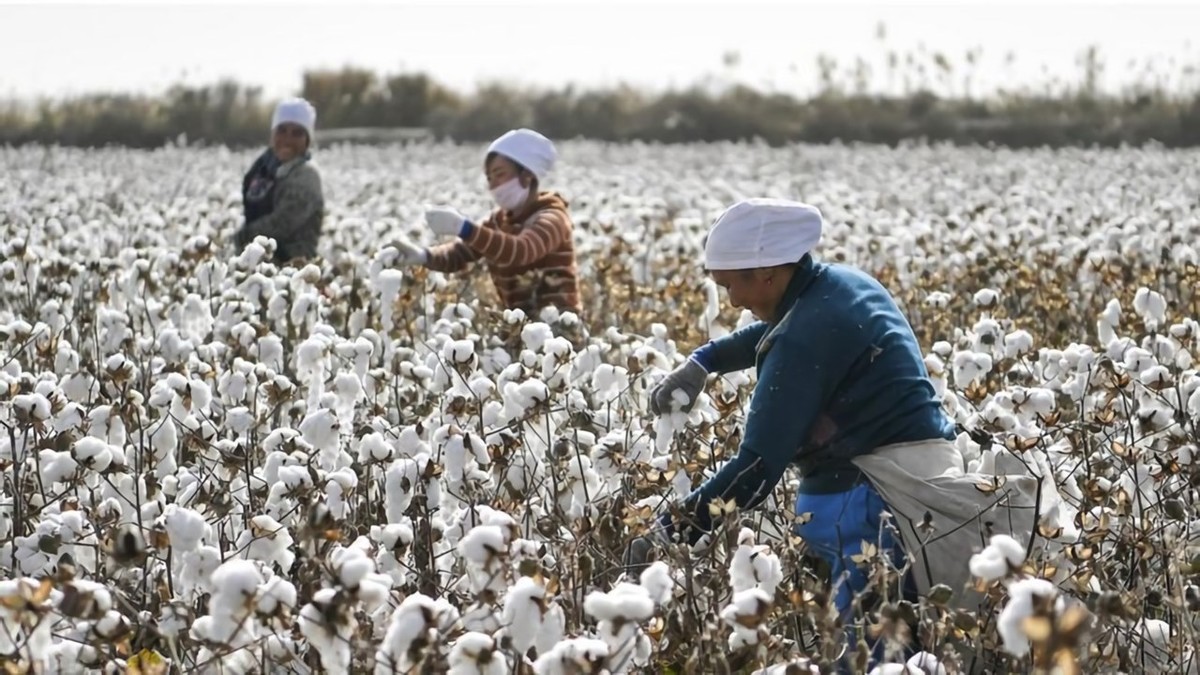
[[843, 396], [526, 242], [282, 197]]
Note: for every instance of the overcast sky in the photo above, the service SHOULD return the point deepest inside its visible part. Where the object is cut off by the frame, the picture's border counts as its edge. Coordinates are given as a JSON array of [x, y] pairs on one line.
[[51, 48]]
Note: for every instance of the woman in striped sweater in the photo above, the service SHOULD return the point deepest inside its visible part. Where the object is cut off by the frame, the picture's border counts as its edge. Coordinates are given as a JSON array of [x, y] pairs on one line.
[[526, 242]]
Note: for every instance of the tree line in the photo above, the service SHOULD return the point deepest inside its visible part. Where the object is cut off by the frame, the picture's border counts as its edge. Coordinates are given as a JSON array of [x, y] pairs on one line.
[[844, 109]]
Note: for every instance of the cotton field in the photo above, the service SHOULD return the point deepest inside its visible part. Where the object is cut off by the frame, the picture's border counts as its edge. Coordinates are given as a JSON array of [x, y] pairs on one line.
[[212, 465]]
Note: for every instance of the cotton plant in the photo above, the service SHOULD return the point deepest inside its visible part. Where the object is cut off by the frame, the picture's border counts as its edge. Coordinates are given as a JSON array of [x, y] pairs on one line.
[[969, 367], [575, 655], [1003, 561], [407, 478], [268, 542], [580, 489], [230, 629], [190, 538], [330, 621], [532, 618], [754, 566], [465, 460], [477, 654], [416, 627], [745, 615], [224, 409], [619, 614], [484, 549]]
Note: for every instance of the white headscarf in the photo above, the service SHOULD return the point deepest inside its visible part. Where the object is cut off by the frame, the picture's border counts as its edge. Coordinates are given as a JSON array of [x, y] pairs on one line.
[[527, 148], [762, 232]]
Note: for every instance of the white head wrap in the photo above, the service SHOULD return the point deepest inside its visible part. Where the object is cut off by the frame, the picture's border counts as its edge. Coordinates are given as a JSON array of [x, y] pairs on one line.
[[762, 232], [527, 148]]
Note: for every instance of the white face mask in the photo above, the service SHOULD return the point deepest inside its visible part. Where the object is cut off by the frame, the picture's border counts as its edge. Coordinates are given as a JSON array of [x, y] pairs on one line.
[[510, 196]]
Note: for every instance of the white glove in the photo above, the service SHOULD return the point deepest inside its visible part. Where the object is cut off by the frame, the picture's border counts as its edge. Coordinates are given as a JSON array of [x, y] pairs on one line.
[[445, 221], [408, 254]]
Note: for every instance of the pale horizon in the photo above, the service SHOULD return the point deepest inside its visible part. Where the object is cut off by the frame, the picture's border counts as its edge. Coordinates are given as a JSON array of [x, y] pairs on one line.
[[56, 50]]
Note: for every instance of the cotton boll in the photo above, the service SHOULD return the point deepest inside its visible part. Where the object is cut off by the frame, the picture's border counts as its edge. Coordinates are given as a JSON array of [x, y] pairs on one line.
[[988, 565], [938, 300], [56, 467], [33, 407], [482, 617], [410, 623], [577, 655], [1020, 607], [236, 581], [185, 528], [477, 654], [483, 544], [996, 561], [997, 416], [523, 608], [657, 581], [351, 566], [373, 448], [338, 488], [1017, 344], [746, 608], [988, 335], [608, 382], [754, 566], [535, 335], [796, 667], [1151, 306], [239, 420], [349, 390], [986, 298], [520, 398], [268, 541], [1138, 360], [1156, 376], [1109, 322], [1037, 400], [969, 367], [93, 454], [275, 595], [1161, 347], [400, 484], [458, 351], [625, 602], [321, 429]]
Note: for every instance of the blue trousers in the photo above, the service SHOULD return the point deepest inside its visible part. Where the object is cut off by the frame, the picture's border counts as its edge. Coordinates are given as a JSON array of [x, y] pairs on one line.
[[835, 532]]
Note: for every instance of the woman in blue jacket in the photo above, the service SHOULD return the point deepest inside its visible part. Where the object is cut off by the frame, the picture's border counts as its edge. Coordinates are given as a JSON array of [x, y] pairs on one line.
[[840, 375]]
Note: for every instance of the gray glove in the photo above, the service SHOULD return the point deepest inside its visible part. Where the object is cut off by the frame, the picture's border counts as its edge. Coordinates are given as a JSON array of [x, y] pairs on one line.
[[688, 378], [637, 554]]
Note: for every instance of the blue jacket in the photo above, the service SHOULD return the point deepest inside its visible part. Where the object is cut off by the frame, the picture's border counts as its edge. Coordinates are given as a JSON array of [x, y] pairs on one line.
[[839, 375]]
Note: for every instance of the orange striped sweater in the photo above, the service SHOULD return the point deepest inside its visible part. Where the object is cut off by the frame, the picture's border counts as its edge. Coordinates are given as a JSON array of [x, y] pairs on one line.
[[530, 256]]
